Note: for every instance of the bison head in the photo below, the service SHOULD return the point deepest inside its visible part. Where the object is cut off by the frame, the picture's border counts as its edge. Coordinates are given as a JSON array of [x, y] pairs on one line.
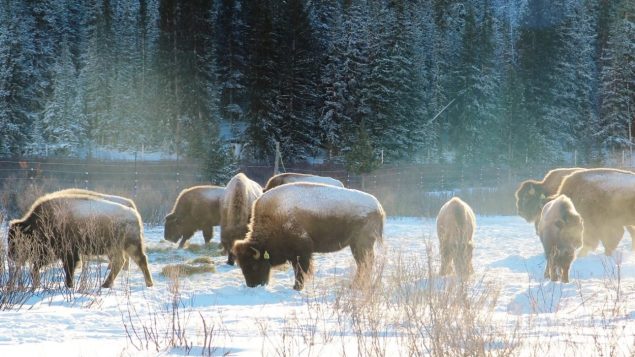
[[172, 230], [253, 261], [529, 200]]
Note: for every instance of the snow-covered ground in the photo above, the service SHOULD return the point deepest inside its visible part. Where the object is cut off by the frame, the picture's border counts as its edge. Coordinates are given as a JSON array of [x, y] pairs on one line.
[[592, 315]]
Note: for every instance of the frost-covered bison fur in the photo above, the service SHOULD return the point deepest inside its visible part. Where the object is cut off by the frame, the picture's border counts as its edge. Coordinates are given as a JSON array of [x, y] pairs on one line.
[[66, 225], [531, 194], [291, 177], [196, 208], [560, 230], [108, 197], [455, 229], [240, 194], [605, 198], [291, 222]]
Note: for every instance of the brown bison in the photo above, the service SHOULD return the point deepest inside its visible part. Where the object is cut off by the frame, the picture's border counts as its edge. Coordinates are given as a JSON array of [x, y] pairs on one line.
[[240, 195], [291, 177], [605, 198], [291, 222], [531, 194], [455, 228], [560, 230], [66, 225], [196, 208]]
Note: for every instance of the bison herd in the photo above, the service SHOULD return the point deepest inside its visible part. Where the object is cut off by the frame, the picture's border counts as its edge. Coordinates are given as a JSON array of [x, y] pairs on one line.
[[296, 215]]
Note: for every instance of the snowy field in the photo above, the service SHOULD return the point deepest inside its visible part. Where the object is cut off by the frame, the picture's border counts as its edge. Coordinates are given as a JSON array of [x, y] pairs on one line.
[[505, 309]]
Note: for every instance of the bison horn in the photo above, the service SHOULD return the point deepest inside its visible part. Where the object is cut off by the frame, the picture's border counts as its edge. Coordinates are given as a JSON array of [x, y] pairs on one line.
[[256, 253], [532, 191]]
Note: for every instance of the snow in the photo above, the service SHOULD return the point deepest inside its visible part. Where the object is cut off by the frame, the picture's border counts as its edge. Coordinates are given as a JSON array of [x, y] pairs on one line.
[[90, 208], [321, 199], [571, 319]]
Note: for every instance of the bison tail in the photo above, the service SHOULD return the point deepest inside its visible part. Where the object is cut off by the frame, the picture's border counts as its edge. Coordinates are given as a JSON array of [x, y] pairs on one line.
[[459, 216]]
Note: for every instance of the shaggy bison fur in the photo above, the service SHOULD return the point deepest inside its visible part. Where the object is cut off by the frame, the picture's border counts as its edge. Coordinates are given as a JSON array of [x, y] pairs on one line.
[[605, 198], [196, 208], [291, 177], [65, 226], [291, 222], [240, 194], [455, 228]]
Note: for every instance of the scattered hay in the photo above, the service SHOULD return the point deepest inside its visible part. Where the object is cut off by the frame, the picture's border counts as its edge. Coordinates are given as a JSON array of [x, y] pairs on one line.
[[195, 266], [201, 260], [212, 249]]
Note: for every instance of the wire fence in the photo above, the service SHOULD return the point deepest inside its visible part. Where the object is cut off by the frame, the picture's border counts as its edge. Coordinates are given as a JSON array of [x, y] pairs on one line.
[[407, 190]]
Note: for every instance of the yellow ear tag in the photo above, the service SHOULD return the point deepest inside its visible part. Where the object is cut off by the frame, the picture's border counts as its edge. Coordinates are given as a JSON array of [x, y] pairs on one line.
[[266, 255]]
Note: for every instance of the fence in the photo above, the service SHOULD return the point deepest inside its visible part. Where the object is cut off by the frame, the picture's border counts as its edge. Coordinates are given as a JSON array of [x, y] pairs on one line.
[[410, 190]]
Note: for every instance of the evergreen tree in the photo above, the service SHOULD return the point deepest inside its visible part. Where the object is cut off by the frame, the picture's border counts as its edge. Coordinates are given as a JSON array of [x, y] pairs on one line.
[[230, 41], [63, 112], [618, 79], [474, 128]]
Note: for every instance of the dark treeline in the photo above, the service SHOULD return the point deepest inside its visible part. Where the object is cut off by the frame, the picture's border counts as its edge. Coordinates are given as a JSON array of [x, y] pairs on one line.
[[473, 82]]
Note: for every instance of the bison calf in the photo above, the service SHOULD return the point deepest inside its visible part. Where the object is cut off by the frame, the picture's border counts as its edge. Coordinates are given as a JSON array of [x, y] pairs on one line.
[[65, 226], [293, 221], [196, 208], [560, 230], [455, 228]]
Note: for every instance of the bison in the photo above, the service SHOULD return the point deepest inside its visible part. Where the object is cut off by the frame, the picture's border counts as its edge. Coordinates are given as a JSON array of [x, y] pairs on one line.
[[605, 198], [531, 194], [240, 194], [291, 222], [455, 228], [66, 225], [560, 230], [196, 208], [290, 177]]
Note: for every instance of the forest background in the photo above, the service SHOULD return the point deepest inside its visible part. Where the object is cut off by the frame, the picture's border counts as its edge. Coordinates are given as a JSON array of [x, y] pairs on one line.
[[356, 82]]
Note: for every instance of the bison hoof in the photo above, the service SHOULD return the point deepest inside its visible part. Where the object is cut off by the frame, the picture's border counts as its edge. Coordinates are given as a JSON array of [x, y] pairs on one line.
[[298, 287], [106, 285]]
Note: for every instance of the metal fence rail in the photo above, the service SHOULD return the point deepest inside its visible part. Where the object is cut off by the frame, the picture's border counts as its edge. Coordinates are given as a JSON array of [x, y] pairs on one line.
[[407, 189]]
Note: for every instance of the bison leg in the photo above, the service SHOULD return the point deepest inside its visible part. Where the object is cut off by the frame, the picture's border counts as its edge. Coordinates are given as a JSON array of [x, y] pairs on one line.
[[35, 274], [208, 234], [463, 261], [364, 257], [142, 262], [566, 266], [116, 263], [611, 238], [631, 231], [70, 262], [301, 266], [446, 260]]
